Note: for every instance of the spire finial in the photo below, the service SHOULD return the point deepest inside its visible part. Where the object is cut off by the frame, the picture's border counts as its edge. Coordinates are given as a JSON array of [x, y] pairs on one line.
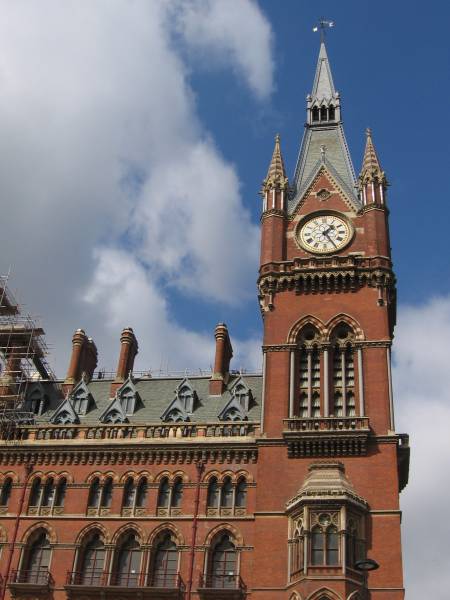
[[368, 132], [322, 25], [371, 168], [276, 175]]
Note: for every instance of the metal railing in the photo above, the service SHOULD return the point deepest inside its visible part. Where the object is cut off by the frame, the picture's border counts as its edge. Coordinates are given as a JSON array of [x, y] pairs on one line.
[[98, 578], [222, 581], [35, 577]]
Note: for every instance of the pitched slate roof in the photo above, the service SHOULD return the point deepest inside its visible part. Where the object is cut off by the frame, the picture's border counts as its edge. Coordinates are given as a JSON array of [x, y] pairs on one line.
[[155, 395]]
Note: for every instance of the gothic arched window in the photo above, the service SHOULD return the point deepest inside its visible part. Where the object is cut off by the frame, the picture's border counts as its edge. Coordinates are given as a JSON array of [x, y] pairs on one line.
[[331, 113], [36, 490], [177, 493], [92, 562], [6, 492], [241, 493], [129, 492], [297, 556], [315, 114], [164, 493], [344, 401], [107, 491], [165, 563], [37, 560], [141, 493], [213, 493], [127, 572], [223, 564], [48, 493], [60, 493], [324, 546], [226, 499], [94, 493], [309, 374], [323, 113]]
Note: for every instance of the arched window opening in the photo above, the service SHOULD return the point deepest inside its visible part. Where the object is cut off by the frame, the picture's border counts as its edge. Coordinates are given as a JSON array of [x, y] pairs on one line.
[[309, 376], [37, 561], [177, 493], [94, 493], [297, 557], [92, 562], [107, 492], [6, 492], [213, 493], [332, 544], [344, 399], [331, 113], [36, 490], [129, 491], [226, 499], [48, 493], [141, 494], [317, 546], [60, 494], [165, 564], [315, 114], [223, 564], [164, 493], [241, 493], [303, 412], [127, 400], [80, 401], [37, 402], [128, 564], [323, 113]]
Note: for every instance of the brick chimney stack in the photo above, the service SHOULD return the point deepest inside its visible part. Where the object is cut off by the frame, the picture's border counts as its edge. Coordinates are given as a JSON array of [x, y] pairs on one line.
[[224, 353], [128, 350], [82, 361]]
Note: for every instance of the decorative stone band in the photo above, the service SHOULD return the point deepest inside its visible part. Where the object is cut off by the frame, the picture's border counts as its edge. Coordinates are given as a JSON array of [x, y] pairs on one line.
[[120, 456], [322, 347], [273, 212]]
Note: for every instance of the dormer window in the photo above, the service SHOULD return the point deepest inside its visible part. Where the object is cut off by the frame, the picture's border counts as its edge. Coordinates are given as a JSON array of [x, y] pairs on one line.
[[183, 405], [186, 396], [128, 400]]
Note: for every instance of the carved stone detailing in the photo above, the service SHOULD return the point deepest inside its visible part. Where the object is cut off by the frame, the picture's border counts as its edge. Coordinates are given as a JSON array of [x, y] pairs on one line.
[[279, 348], [326, 436], [273, 212], [323, 194], [140, 456], [316, 275]]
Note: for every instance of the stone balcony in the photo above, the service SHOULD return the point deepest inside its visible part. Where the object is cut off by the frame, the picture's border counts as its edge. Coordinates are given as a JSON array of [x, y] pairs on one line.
[[326, 436]]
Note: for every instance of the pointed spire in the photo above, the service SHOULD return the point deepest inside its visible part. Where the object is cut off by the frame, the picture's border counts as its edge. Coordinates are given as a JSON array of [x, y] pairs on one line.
[[371, 169], [323, 86], [372, 182], [276, 175]]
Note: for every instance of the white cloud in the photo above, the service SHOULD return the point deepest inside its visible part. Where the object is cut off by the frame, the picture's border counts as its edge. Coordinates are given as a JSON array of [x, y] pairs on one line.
[[231, 32], [422, 384], [102, 148]]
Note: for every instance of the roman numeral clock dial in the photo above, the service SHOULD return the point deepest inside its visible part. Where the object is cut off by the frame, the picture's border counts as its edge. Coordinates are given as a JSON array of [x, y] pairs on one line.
[[324, 233]]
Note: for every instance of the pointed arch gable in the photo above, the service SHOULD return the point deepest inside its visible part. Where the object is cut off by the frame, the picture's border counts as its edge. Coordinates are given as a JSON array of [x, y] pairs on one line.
[[126, 529], [348, 320], [303, 322], [157, 533], [35, 529], [224, 528], [90, 530], [324, 594]]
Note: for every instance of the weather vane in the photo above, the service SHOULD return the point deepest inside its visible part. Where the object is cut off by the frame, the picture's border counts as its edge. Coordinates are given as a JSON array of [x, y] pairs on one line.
[[322, 25]]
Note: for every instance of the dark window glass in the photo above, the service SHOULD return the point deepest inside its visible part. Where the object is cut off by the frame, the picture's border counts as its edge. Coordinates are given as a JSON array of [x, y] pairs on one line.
[[107, 493], [213, 493], [94, 493], [331, 112], [49, 492], [128, 563], [227, 493], [92, 562], [223, 564], [128, 493], [315, 114], [332, 546], [37, 562], [323, 113], [317, 546], [164, 493], [36, 489], [141, 495], [241, 493], [165, 564], [6, 492], [177, 493], [61, 492]]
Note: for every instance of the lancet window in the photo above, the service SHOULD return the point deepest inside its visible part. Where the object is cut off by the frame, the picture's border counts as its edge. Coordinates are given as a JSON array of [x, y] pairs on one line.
[[223, 568], [100, 495], [36, 560], [309, 376], [91, 561], [170, 496], [6, 492], [228, 497], [344, 402], [164, 567], [128, 562]]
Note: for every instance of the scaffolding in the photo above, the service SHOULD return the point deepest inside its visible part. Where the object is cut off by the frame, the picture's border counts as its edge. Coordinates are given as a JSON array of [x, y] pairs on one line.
[[23, 355]]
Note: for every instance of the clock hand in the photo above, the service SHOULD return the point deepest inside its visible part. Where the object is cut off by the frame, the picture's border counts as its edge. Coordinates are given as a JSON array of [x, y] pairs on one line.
[[325, 233]]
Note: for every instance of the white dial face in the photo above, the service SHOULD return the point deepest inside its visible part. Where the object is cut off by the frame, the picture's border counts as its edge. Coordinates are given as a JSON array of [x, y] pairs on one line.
[[324, 233]]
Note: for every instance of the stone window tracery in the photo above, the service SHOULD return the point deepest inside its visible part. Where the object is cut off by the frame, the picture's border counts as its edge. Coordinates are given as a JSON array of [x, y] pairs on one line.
[[47, 497], [344, 402], [227, 497], [170, 496], [309, 376], [100, 496]]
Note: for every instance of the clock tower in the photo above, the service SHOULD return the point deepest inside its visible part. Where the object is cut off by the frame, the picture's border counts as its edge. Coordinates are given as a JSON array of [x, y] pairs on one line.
[[328, 300]]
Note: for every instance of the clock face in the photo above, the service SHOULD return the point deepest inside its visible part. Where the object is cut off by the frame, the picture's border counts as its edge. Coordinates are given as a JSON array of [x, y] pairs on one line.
[[324, 233]]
